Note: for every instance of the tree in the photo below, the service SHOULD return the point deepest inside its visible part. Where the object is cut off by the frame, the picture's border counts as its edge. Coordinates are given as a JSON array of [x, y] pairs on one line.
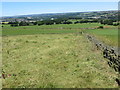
[[22, 23], [48, 22], [115, 24], [40, 23], [67, 22], [57, 21], [95, 20], [14, 25], [13, 22], [76, 22], [100, 27], [108, 22], [34, 23], [84, 21]]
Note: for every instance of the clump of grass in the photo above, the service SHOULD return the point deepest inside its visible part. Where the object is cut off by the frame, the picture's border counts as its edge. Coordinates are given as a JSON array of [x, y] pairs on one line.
[[49, 46], [34, 41], [19, 40], [77, 65], [8, 51], [43, 43], [100, 27], [27, 41], [66, 37]]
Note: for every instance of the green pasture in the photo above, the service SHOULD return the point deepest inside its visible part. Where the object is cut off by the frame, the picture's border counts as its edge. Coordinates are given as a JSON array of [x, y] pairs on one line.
[[36, 31], [108, 36], [54, 61], [56, 56], [60, 28]]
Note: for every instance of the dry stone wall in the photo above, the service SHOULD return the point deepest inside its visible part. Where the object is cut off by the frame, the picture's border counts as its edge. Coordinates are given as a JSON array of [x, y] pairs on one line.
[[111, 53]]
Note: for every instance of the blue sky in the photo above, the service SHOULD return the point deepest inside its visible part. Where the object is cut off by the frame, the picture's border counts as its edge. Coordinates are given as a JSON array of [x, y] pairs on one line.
[[25, 8]]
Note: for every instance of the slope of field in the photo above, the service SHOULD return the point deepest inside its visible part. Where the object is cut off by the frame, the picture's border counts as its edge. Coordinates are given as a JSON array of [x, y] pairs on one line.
[[108, 36], [54, 61]]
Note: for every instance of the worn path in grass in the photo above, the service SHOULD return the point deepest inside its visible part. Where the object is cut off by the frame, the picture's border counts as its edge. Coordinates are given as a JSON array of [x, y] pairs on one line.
[[54, 60]]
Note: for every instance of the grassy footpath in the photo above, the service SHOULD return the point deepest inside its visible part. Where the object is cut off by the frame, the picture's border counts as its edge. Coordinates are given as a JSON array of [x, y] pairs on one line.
[[54, 61]]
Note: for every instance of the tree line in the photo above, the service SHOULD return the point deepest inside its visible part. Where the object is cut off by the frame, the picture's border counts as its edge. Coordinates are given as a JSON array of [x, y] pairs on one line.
[[45, 22], [63, 21], [105, 22], [109, 22]]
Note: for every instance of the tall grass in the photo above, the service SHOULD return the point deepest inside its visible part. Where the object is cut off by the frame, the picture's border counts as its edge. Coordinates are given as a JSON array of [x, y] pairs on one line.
[[54, 61]]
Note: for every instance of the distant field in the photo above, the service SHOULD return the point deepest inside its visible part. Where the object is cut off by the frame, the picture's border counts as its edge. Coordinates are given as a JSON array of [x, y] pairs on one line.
[[36, 31], [108, 36], [60, 28], [54, 61]]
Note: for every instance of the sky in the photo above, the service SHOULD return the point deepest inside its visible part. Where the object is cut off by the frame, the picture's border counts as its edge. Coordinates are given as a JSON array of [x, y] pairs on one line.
[[25, 8], [60, 0]]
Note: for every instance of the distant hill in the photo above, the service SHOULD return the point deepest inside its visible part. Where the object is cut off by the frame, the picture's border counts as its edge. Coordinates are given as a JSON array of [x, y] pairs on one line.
[[113, 14]]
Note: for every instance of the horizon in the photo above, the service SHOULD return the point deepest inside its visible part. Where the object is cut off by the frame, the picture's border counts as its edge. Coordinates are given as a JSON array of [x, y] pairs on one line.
[[56, 13], [32, 8]]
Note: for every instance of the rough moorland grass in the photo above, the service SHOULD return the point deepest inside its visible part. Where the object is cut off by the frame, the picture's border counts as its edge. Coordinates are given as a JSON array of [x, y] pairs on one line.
[[108, 36], [54, 61]]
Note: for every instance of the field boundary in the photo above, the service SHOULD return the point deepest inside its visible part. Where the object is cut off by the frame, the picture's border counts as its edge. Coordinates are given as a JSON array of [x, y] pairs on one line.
[[110, 53]]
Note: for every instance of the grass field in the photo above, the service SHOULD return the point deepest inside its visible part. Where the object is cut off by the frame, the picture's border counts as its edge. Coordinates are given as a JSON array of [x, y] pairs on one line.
[[54, 61], [108, 36], [55, 56], [57, 26]]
